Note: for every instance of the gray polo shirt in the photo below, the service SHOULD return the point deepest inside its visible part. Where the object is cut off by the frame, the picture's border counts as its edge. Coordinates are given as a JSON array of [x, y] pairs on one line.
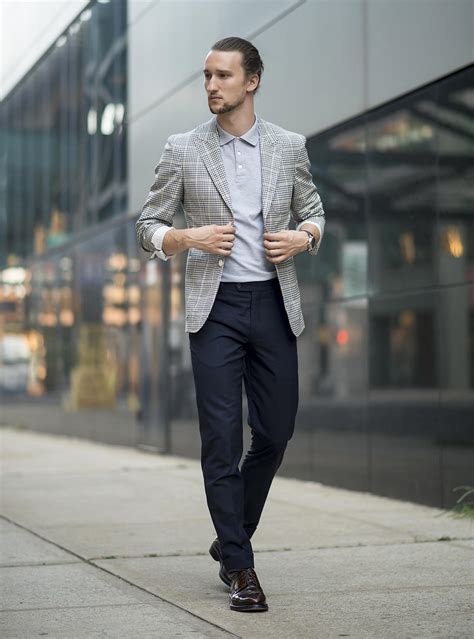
[[241, 157]]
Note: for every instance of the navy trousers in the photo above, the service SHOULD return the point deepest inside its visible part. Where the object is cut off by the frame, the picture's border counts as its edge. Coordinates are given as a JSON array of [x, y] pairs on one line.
[[246, 337]]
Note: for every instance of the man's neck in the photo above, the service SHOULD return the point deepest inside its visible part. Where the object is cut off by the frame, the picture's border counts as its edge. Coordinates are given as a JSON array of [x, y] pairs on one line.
[[236, 123]]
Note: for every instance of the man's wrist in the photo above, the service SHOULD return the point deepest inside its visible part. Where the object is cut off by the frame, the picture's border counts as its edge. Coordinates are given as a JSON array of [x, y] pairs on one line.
[[175, 241], [307, 234]]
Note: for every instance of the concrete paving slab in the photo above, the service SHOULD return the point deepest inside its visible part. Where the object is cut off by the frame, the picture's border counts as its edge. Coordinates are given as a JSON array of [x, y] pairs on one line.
[[82, 601], [66, 585], [420, 522], [134, 538], [100, 497], [140, 621], [19, 547], [29, 452], [281, 527], [412, 590]]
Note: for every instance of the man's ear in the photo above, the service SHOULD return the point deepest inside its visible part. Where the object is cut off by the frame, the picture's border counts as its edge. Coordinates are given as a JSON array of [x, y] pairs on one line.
[[254, 77]]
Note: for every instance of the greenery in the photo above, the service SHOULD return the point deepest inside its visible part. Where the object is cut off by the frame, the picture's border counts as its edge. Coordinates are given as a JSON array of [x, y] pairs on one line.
[[464, 507]]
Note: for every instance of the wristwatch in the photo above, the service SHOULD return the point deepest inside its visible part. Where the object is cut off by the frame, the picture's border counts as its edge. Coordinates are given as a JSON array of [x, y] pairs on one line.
[[311, 240]]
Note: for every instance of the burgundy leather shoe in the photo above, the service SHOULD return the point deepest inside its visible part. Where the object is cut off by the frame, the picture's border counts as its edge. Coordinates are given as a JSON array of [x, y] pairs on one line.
[[216, 553], [246, 594]]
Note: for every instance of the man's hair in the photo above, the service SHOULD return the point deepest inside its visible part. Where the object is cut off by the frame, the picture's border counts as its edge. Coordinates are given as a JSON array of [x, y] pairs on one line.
[[251, 60]]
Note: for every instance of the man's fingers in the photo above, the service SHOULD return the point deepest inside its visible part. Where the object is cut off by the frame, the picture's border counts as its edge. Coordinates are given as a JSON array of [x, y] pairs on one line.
[[274, 236], [273, 244]]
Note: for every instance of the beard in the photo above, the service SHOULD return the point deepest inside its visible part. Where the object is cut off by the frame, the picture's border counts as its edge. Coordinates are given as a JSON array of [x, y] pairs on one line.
[[226, 107]]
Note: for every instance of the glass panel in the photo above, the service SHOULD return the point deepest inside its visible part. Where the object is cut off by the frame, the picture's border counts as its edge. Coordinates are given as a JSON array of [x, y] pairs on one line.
[[402, 162], [456, 438], [453, 115], [404, 396], [338, 164]]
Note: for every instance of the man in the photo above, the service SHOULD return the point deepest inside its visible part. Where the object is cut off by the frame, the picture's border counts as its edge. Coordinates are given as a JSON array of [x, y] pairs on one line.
[[239, 179]]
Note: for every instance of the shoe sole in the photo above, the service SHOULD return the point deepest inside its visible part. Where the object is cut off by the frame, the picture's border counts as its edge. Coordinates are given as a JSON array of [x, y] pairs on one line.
[[217, 557], [254, 608]]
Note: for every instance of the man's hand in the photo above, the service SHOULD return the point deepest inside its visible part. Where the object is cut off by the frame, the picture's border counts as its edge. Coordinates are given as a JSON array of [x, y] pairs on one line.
[[212, 238], [282, 245]]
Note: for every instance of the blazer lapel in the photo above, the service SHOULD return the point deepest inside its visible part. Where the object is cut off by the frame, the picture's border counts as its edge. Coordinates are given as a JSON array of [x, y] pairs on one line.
[[210, 152], [270, 153]]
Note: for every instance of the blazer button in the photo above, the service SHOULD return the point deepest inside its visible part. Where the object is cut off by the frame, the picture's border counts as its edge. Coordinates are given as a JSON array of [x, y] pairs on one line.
[[221, 262]]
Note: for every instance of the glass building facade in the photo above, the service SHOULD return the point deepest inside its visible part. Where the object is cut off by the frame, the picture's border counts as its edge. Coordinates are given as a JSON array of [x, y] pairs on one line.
[[92, 339]]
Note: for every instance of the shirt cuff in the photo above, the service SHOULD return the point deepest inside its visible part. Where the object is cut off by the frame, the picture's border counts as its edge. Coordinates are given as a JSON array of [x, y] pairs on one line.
[[321, 230], [157, 241]]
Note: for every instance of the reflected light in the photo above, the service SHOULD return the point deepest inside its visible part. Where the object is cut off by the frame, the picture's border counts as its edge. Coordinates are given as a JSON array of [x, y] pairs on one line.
[[107, 122], [134, 294], [92, 122], [113, 316], [407, 245], [407, 319], [134, 315], [66, 317], [13, 275], [453, 241], [114, 294], [41, 372], [342, 337], [119, 113], [61, 41], [47, 319], [401, 131], [118, 261]]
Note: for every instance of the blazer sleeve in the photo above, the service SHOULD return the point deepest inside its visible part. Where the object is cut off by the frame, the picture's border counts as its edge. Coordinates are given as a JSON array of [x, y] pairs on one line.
[[164, 198], [306, 205]]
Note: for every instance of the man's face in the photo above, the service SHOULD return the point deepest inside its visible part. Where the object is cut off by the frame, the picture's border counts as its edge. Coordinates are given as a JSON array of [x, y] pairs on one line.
[[225, 81]]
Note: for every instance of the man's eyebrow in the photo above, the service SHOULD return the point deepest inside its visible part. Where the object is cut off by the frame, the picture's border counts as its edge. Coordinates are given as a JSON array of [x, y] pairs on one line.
[[218, 71]]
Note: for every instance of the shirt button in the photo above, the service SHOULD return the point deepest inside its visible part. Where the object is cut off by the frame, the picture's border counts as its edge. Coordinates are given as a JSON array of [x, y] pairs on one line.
[[240, 166], [238, 152], [221, 262]]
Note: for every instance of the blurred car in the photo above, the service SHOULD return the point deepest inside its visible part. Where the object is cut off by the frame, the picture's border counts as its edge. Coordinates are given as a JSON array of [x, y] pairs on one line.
[[15, 356]]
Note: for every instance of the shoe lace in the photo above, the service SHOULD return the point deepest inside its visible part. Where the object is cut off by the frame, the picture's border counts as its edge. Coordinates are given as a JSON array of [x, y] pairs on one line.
[[249, 578]]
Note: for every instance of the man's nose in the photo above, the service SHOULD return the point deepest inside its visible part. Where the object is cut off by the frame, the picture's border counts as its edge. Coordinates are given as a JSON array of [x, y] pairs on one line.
[[211, 85]]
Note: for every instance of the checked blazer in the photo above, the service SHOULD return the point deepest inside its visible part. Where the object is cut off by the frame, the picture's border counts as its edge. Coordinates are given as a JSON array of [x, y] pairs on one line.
[[191, 174]]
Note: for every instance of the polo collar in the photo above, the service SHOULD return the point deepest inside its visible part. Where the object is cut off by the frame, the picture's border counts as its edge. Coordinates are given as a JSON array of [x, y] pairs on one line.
[[250, 136]]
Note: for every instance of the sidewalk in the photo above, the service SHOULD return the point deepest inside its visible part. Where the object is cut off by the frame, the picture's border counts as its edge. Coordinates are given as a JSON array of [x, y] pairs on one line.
[[108, 541]]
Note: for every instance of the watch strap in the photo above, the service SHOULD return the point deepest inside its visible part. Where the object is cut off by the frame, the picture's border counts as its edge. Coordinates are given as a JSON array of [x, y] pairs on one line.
[[311, 239]]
